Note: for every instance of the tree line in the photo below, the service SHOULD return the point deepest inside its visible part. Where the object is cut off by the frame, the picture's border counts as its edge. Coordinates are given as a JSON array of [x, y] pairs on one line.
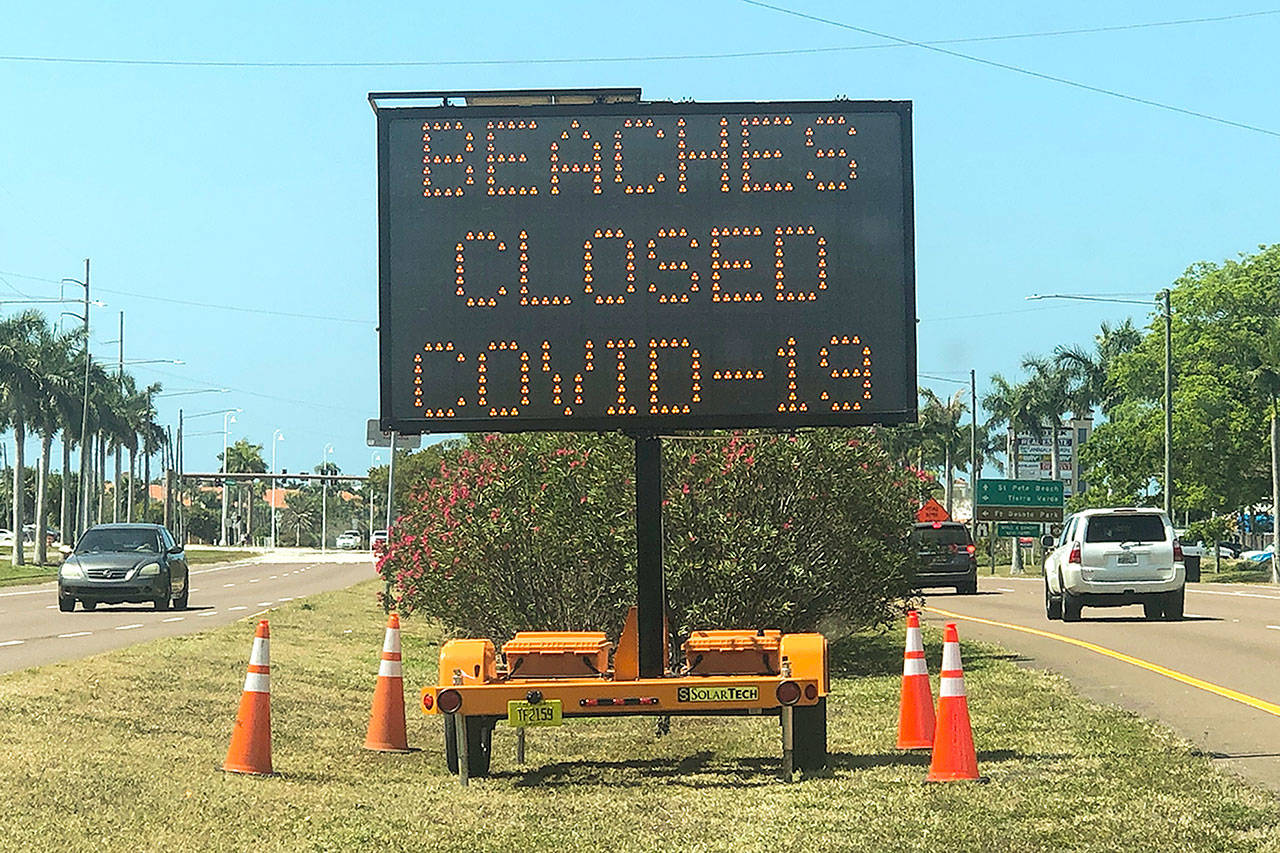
[[43, 391]]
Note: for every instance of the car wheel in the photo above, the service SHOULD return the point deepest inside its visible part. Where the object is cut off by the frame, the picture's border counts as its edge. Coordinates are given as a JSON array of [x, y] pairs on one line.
[[968, 588], [1153, 608], [180, 603], [1052, 604], [1173, 604], [1071, 606], [88, 605], [161, 603], [809, 735], [66, 604]]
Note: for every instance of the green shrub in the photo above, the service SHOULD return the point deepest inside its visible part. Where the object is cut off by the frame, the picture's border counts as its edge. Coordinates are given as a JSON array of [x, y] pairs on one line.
[[537, 532]]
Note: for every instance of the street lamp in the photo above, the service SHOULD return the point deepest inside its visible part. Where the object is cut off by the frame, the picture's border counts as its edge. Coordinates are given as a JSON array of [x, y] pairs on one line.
[[275, 436], [375, 458], [193, 391], [1163, 298], [324, 496], [82, 495], [228, 418]]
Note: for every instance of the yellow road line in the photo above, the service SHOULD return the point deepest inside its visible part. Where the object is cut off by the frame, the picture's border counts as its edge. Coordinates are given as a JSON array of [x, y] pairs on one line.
[[1225, 692]]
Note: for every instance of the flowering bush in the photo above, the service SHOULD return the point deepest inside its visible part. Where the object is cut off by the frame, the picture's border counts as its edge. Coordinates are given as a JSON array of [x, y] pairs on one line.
[[537, 532]]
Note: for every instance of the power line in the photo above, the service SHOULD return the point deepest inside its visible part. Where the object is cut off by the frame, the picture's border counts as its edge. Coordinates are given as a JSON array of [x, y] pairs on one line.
[[753, 54], [1040, 75]]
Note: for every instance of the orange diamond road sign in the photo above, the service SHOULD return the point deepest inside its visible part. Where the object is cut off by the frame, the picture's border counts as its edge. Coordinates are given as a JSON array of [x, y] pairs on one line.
[[932, 511]]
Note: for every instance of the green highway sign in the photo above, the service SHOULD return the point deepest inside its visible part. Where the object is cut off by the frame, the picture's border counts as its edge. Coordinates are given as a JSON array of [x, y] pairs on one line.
[[1019, 500], [1016, 528]]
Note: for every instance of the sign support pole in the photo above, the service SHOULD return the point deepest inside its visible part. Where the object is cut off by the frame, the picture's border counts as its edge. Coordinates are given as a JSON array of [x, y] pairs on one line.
[[391, 481], [651, 593]]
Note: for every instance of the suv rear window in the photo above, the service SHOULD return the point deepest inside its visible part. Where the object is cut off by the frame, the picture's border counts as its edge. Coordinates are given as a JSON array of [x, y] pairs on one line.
[[925, 536], [1125, 528]]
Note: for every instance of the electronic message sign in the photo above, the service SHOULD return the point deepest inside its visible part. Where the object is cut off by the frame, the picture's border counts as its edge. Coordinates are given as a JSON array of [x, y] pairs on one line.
[[645, 266]]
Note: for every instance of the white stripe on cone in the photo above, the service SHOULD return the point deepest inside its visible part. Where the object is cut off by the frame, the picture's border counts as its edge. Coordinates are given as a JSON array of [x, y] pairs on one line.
[[261, 654], [914, 641], [389, 669], [950, 656], [257, 682], [392, 641], [952, 687], [914, 666]]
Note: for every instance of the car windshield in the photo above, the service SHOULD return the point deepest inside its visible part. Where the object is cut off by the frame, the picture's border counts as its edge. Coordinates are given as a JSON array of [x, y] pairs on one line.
[[927, 537], [132, 540], [1125, 528]]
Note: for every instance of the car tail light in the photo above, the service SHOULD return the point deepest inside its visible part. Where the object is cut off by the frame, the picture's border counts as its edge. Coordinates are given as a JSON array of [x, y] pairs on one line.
[[788, 693], [971, 548], [937, 525], [449, 701], [427, 701], [1177, 551], [1075, 553]]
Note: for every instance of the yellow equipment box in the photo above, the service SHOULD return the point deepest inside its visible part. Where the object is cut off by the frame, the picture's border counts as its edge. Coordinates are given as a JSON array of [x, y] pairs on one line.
[[557, 654]]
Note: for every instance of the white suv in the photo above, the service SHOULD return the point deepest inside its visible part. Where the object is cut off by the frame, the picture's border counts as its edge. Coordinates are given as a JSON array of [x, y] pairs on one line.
[[1113, 557]]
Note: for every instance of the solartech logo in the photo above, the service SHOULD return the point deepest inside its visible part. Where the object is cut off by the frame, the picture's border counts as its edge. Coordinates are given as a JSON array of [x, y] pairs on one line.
[[717, 694]]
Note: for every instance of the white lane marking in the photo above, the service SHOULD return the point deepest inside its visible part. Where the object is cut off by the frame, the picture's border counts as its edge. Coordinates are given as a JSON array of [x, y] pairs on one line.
[[1004, 589], [1274, 627], [207, 613], [263, 604], [238, 607], [12, 643], [254, 580], [173, 619], [273, 577], [128, 627], [74, 634], [193, 589], [1237, 594], [43, 591], [50, 606], [227, 585], [287, 598]]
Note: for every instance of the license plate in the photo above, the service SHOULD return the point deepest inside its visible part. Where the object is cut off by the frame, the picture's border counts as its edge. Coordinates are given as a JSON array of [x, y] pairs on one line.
[[1127, 560], [548, 712]]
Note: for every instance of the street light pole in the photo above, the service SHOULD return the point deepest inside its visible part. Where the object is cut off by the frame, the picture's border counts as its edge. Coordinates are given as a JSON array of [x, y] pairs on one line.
[[82, 497], [324, 497], [374, 457], [228, 418], [275, 436]]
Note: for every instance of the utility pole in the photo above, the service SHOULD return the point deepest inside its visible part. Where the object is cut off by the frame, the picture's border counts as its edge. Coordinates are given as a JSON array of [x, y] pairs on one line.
[[84, 414], [973, 454], [1168, 405], [115, 487]]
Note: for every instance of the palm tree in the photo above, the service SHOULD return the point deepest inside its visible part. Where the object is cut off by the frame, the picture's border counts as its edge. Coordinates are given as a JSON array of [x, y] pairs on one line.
[[1010, 406], [56, 402], [1089, 372], [21, 383], [1267, 377], [1049, 389], [940, 422]]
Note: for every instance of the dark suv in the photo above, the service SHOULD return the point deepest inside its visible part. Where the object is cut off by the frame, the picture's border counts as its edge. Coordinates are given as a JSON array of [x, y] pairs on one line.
[[946, 556], [116, 563]]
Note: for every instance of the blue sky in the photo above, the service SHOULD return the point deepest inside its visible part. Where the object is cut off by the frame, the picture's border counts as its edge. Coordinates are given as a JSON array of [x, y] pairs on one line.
[[254, 187]]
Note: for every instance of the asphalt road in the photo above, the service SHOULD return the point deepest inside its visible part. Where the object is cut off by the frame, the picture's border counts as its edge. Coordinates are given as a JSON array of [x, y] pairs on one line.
[[1175, 672], [33, 631]]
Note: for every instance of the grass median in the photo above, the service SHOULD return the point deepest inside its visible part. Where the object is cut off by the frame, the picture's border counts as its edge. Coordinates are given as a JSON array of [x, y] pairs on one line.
[[120, 752], [11, 575]]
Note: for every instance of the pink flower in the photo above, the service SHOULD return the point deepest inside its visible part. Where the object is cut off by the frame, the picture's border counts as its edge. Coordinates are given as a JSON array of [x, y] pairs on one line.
[[684, 488]]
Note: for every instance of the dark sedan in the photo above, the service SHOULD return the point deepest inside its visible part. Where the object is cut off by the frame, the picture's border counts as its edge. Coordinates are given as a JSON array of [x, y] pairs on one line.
[[118, 563]]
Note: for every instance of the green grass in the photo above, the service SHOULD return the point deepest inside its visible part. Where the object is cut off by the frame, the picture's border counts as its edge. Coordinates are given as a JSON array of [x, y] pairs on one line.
[[1236, 571], [120, 752], [204, 557]]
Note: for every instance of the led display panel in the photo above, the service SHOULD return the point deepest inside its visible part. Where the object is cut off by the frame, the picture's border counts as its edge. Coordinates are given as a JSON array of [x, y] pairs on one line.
[[645, 266]]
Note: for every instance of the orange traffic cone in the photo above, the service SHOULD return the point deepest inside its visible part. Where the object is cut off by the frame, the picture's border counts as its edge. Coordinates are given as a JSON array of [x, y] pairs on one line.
[[954, 758], [250, 750], [915, 711], [386, 723]]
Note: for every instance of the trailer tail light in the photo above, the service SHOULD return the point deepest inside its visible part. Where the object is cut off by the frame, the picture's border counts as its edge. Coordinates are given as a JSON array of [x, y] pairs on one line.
[[449, 701], [1075, 554], [428, 701], [788, 693], [1177, 551], [811, 692]]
